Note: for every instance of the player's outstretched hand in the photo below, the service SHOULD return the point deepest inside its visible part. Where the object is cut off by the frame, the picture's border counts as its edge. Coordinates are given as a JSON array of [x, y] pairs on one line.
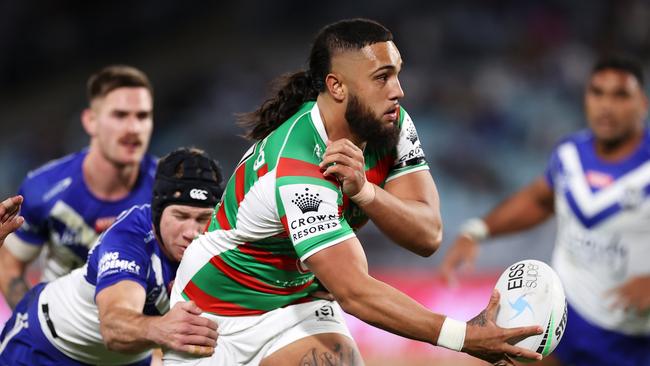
[[460, 256], [183, 329], [489, 342], [344, 160], [10, 221]]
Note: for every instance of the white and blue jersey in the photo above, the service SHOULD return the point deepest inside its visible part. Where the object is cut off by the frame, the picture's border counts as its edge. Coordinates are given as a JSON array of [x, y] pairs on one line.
[[603, 216], [65, 315], [60, 211]]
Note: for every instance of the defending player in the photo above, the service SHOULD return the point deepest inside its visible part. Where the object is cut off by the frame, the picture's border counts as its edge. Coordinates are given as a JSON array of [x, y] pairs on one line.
[[69, 201], [108, 312], [597, 183], [328, 142]]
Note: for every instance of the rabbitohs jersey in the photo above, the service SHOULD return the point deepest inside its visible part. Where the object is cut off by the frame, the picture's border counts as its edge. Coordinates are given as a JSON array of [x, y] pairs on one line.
[[603, 213], [276, 211]]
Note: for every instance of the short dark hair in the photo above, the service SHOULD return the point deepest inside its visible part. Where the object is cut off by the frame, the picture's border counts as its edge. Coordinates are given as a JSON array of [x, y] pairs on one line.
[[112, 77], [625, 63]]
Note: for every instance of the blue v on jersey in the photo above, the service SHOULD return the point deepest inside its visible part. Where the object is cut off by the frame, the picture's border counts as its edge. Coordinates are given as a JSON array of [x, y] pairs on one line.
[[64, 317], [60, 211], [603, 216]]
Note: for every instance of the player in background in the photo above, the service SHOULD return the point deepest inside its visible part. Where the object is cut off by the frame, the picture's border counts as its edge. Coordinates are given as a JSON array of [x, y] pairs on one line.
[[334, 149], [10, 220], [597, 182], [69, 201], [109, 312]]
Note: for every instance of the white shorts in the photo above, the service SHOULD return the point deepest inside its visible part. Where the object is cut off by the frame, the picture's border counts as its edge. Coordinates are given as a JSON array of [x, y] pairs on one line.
[[246, 340]]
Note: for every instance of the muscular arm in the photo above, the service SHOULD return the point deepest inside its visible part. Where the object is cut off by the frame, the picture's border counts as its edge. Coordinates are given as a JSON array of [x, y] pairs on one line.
[[125, 329], [343, 270], [12, 272], [407, 210], [523, 210]]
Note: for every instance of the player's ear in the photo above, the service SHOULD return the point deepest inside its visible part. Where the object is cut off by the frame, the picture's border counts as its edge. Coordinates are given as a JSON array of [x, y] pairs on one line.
[[89, 121], [335, 87]]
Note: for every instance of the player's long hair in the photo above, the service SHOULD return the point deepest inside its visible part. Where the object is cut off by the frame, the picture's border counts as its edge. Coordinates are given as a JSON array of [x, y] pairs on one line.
[[292, 90]]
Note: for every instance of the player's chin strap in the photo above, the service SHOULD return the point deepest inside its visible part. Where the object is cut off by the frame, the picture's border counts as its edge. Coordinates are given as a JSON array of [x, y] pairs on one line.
[[452, 334]]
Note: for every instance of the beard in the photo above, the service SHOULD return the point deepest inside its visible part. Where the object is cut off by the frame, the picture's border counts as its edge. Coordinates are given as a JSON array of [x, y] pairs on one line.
[[366, 127]]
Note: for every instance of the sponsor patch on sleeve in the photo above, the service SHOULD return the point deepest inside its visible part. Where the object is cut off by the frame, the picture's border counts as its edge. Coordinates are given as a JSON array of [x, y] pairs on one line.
[[111, 263], [311, 210], [409, 147]]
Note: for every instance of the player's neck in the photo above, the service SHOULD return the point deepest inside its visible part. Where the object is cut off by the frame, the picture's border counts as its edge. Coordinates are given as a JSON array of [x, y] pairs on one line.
[[616, 151], [107, 180], [333, 115]]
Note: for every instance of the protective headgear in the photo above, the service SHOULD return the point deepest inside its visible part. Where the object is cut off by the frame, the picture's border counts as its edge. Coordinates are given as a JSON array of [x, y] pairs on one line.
[[185, 177]]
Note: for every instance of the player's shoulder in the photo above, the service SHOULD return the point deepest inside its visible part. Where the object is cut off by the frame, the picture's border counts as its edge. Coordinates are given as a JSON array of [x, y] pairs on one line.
[[136, 219], [299, 135], [52, 178]]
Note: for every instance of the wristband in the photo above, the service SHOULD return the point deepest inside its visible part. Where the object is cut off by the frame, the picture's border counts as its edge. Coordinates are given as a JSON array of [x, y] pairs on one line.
[[365, 195], [476, 229], [452, 334]]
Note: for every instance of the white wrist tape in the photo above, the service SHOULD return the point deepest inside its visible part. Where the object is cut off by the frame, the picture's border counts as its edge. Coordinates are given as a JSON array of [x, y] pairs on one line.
[[476, 229], [365, 195], [452, 334]]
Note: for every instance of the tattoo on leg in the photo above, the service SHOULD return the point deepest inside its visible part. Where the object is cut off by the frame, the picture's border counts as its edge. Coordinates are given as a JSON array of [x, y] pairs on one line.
[[337, 357], [17, 289], [480, 319]]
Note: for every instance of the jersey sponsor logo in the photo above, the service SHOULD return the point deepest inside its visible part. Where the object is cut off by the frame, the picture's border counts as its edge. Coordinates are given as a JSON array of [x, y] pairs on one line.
[[111, 263], [598, 179], [326, 314], [596, 249], [199, 194], [307, 201], [311, 210], [58, 188], [409, 146], [103, 223]]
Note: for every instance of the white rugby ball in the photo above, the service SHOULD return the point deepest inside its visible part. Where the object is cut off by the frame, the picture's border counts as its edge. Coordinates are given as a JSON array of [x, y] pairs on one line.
[[532, 294]]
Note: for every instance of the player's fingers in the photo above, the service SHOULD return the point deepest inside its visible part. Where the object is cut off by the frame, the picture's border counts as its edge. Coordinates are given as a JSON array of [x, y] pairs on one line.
[[324, 295], [11, 226], [198, 340], [191, 307], [493, 305], [514, 335], [200, 321], [198, 350], [10, 206], [521, 352], [339, 158], [341, 172]]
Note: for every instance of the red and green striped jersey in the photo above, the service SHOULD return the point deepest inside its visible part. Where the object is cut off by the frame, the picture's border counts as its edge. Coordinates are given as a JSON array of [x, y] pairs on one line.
[[276, 211]]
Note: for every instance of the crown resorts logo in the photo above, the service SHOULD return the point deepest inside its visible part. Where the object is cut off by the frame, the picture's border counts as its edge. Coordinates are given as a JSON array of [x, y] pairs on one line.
[[307, 202], [411, 134]]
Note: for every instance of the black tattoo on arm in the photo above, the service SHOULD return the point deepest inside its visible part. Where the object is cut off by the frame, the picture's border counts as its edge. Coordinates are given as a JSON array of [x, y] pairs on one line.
[[17, 289]]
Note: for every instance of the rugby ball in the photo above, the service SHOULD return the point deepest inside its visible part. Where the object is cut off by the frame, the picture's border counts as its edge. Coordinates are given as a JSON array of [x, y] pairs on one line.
[[532, 294]]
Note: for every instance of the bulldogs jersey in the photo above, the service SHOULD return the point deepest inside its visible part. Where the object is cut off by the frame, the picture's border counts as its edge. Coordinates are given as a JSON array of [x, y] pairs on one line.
[[126, 251], [603, 238], [277, 210], [60, 210]]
